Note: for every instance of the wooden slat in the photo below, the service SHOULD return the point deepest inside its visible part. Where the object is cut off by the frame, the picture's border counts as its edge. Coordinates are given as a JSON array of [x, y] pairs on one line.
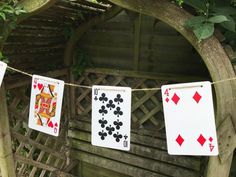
[[141, 145], [26, 140], [42, 166], [147, 75], [113, 165], [134, 160], [89, 170]]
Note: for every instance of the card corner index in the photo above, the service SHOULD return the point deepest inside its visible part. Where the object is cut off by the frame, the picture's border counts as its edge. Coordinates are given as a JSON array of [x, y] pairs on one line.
[[164, 87]]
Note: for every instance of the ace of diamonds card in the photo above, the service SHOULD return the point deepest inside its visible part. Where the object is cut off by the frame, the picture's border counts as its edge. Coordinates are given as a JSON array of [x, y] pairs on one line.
[[3, 67], [111, 115], [189, 119], [45, 104]]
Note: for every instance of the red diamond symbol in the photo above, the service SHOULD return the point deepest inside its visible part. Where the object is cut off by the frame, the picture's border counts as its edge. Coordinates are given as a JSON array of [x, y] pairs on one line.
[[201, 140], [179, 140], [167, 100], [210, 139], [175, 98], [197, 97]]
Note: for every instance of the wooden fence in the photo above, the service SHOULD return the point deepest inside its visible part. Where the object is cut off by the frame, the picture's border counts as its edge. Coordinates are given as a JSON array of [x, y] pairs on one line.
[[148, 155], [35, 153]]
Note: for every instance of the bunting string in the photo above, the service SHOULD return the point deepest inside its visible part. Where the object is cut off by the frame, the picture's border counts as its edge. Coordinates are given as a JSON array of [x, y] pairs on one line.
[[133, 90]]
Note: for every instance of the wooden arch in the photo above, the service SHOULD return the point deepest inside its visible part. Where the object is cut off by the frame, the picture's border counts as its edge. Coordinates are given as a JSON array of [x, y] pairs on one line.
[[211, 52], [219, 66]]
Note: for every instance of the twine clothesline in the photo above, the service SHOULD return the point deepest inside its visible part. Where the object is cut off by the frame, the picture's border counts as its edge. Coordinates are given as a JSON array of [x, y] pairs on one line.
[[133, 90]]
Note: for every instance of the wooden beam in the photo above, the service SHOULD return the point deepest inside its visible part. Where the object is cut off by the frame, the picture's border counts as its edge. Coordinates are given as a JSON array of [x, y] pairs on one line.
[[226, 132], [32, 7], [212, 53], [6, 157], [149, 75], [137, 30], [77, 33], [215, 167]]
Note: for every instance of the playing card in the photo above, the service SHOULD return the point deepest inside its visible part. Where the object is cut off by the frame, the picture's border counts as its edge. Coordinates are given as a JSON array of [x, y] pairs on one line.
[[3, 67], [189, 119], [111, 115], [45, 104]]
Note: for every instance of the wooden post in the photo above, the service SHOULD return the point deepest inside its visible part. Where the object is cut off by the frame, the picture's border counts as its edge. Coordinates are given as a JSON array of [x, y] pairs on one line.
[[223, 170], [6, 157], [137, 30]]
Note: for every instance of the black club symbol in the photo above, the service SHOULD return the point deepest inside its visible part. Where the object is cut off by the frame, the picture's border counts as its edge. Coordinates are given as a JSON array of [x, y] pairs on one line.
[[110, 104], [102, 110], [118, 99], [118, 112], [102, 122], [118, 124], [102, 134], [103, 98], [110, 129], [125, 137], [117, 136]]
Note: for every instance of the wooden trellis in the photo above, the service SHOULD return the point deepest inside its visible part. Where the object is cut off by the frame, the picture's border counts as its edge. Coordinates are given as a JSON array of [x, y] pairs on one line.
[[35, 153], [146, 106], [148, 154]]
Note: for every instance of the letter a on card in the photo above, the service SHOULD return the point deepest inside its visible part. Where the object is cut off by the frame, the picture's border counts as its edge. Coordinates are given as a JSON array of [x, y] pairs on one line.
[[3, 67], [45, 104], [189, 119]]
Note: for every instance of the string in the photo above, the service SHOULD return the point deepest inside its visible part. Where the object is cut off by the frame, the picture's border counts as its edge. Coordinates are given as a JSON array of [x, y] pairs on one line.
[[133, 90], [19, 71], [77, 85]]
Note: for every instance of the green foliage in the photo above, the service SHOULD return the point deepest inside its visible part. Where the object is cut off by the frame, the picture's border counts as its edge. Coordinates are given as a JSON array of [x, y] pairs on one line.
[[211, 13], [179, 2], [94, 1], [68, 31], [3, 58], [204, 30], [82, 61], [9, 12]]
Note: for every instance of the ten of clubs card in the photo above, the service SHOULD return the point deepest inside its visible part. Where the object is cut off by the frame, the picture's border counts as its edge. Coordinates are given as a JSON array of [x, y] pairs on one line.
[[189, 119], [3, 67], [45, 104], [111, 115]]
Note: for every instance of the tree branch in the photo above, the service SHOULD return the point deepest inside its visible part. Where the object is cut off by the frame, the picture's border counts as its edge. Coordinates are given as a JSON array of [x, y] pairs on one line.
[[35, 6]]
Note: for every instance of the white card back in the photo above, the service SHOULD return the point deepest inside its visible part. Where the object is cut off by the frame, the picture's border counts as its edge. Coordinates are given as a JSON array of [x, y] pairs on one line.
[[189, 119]]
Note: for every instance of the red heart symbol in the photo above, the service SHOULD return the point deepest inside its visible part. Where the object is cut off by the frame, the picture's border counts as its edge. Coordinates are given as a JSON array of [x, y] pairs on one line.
[[40, 86], [56, 125], [34, 86], [50, 124]]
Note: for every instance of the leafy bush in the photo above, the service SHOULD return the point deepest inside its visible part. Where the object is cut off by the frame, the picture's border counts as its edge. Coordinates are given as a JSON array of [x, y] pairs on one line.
[[209, 14]]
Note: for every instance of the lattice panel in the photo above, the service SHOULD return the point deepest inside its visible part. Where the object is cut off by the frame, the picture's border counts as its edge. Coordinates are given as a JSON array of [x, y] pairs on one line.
[[36, 154], [146, 105]]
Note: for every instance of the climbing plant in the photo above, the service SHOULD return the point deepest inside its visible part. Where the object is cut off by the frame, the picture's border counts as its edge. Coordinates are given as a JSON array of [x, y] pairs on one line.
[[9, 12], [82, 60], [210, 14]]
